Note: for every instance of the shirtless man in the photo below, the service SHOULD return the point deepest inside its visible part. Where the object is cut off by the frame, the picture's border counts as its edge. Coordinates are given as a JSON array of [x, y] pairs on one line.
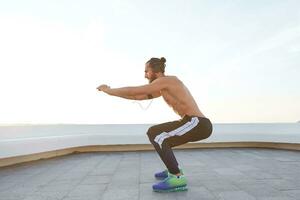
[[193, 125]]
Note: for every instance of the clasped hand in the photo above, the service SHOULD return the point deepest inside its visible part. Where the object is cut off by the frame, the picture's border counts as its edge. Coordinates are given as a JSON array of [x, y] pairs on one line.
[[103, 88]]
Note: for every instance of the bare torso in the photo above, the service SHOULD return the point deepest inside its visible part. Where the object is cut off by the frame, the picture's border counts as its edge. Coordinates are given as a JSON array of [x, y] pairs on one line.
[[177, 96]]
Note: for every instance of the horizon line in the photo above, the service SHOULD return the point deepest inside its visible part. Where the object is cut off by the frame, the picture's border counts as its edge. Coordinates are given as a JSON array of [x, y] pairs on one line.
[[36, 124]]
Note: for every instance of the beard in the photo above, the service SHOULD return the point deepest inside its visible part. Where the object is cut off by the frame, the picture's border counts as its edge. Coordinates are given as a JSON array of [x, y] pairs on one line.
[[152, 78]]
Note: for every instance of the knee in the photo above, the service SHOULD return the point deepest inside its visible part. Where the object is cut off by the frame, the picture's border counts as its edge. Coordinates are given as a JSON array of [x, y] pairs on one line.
[[208, 132], [151, 133], [207, 135], [165, 145], [203, 134]]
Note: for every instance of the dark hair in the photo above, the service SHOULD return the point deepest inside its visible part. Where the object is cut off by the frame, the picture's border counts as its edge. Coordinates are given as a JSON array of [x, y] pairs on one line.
[[157, 65]]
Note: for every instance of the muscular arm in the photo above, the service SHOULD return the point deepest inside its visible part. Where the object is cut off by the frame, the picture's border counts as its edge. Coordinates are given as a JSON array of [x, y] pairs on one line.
[[151, 90], [136, 97], [142, 97]]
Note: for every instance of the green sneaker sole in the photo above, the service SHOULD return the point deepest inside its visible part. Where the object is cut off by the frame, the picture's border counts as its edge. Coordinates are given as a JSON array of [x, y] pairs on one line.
[[177, 189]]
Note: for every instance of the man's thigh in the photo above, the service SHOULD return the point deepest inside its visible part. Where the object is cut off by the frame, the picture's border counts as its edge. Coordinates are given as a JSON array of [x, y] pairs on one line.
[[165, 127]]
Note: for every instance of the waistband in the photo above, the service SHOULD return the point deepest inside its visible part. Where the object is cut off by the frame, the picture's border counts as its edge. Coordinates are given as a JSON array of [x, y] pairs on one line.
[[189, 117]]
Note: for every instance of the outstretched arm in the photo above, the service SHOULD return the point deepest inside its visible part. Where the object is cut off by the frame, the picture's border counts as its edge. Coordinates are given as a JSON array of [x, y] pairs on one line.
[[112, 92], [148, 91]]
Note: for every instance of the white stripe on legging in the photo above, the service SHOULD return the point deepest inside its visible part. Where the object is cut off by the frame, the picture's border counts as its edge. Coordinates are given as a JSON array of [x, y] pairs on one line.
[[159, 139]]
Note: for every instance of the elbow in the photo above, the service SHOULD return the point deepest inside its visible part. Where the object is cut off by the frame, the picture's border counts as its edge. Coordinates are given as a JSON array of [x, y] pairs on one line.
[[140, 97]]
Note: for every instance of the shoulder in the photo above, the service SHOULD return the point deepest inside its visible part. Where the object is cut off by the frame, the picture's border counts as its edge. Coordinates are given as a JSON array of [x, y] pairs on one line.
[[170, 80], [166, 82], [166, 79]]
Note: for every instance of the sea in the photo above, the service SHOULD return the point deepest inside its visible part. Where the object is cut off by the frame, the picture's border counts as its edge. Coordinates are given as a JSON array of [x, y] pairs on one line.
[[135, 133]]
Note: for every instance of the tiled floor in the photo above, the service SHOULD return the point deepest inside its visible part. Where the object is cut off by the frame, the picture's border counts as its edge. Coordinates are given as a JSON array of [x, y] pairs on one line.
[[213, 174]]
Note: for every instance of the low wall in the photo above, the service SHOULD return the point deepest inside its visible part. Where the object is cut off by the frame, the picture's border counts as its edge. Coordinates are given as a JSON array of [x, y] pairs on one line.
[[140, 147]]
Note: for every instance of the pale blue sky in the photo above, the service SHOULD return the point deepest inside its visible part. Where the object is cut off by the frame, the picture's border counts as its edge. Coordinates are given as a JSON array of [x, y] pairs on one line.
[[240, 59]]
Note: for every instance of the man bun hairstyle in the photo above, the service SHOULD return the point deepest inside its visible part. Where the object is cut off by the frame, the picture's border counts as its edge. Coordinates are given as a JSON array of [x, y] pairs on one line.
[[163, 60], [157, 64]]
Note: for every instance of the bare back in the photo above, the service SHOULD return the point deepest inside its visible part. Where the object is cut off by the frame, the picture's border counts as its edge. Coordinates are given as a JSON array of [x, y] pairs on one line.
[[179, 98]]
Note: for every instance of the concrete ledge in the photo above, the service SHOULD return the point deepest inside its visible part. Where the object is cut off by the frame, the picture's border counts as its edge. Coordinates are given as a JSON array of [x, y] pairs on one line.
[[143, 147]]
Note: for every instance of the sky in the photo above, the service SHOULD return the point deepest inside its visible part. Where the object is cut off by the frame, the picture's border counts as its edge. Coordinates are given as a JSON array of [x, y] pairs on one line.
[[240, 59]]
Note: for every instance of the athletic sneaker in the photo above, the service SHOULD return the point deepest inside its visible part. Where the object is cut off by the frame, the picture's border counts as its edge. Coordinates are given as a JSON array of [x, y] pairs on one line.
[[164, 174], [172, 183]]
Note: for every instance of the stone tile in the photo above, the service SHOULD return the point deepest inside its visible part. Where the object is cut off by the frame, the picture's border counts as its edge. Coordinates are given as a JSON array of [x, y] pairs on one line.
[[58, 182], [56, 188], [281, 184], [42, 178], [240, 183], [195, 193], [230, 173], [9, 195], [260, 190], [16, 178], [121, 194], [292, 193], [23, 190], [230, 195], [201, 172], [87, 191], [245, 168], [122, 185], [47, 195], [7, 185], [261, 175], [240, 173], [107, 167], [93, 180], [82, 198], [146, 178], [202, 178], [276, 198], [219, 186], [127, 179]]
